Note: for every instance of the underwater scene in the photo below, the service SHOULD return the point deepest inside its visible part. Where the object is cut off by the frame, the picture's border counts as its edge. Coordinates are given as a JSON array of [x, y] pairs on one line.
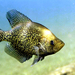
[[56, 15]]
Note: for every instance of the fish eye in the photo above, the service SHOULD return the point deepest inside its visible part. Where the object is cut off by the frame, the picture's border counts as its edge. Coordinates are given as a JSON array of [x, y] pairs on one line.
[[52, 42]]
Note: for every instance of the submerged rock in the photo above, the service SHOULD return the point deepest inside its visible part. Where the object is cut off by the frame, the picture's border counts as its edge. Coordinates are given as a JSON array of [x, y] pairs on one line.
[[65, 70]]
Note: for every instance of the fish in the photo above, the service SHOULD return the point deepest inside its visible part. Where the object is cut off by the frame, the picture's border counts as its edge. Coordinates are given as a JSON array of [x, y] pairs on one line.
[[28, 38]]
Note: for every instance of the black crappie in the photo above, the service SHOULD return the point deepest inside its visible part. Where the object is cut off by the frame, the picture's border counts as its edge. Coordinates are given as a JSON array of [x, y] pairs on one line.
[[27, 38]]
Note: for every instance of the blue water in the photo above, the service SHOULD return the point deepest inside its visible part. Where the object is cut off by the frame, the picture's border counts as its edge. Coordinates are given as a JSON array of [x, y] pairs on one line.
[[51, 13], [57, 15]]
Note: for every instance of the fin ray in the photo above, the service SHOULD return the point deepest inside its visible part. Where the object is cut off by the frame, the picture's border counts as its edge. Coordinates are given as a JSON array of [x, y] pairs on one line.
[[37, 59], [12, 52], [15, 17]]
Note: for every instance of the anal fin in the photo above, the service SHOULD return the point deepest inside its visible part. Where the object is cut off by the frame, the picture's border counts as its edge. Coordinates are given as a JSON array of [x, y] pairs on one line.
[[14, 53]]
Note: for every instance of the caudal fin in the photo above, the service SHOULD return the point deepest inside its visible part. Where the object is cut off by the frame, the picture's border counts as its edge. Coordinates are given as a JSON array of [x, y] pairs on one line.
[[1, 35]]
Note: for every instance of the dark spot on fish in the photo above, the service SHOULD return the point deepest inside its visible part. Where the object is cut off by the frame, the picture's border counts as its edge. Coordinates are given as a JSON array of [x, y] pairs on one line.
[[52, 42]]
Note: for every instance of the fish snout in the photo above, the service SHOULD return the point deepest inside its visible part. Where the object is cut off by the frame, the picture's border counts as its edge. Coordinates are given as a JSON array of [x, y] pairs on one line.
[[59, 44]]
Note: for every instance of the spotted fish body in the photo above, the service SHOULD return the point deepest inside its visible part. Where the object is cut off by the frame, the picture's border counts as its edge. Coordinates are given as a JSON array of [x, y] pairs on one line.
[[27, 38]]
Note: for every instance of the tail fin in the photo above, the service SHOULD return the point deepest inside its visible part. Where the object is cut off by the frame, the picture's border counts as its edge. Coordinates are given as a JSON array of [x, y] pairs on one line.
[[1, 35]]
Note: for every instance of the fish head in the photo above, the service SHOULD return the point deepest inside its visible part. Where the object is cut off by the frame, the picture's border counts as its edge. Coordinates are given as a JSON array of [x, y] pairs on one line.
[[50, 42], [56, 44]]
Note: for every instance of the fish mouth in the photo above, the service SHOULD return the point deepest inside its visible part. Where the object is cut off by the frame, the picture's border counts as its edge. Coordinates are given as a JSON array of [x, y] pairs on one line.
[[62, 44]]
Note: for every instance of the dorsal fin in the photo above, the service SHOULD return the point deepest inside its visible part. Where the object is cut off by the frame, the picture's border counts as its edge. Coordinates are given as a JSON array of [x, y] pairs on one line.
[[15, 17]]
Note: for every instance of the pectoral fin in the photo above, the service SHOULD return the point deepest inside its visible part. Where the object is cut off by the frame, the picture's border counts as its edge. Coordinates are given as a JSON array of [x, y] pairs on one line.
[[37, 59], [41, 47], [14, 53]]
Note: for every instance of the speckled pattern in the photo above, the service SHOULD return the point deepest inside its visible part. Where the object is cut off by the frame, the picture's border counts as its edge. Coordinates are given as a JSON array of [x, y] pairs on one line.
[[26, 37]]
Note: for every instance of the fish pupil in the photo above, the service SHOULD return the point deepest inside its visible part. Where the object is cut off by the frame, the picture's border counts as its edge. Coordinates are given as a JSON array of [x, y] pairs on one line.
[[52, 42]]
